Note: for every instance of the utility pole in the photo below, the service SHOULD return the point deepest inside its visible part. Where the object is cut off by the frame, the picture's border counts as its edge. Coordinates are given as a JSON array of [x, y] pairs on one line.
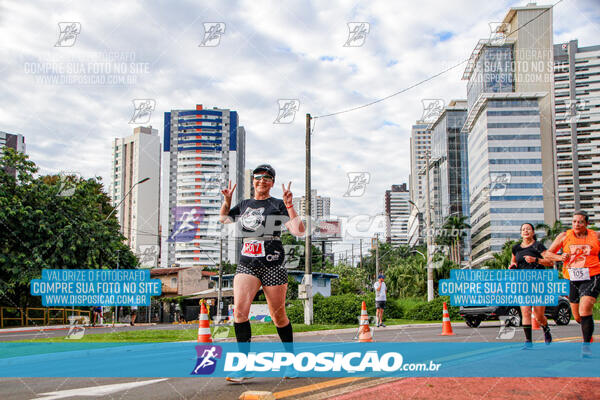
[[429, 233], [377, 257], [308, 302], [360, 251], [220, 294], [352, 260]]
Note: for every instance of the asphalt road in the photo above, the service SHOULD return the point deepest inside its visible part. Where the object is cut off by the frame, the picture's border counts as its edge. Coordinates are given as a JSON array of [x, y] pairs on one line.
[[218, 388]]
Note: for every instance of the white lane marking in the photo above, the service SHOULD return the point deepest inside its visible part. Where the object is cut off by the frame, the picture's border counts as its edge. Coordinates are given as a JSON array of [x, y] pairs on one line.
[[96, 390]]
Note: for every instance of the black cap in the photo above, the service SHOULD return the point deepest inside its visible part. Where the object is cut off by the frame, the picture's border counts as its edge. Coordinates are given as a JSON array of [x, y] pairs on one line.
[[266, 168]]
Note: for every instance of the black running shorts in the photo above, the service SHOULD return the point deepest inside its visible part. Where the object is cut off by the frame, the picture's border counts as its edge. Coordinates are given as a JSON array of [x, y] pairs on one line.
[[590, 287]]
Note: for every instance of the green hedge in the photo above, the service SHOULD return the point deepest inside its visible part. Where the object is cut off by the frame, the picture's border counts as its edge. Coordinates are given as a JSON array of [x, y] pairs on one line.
[[345, 309], [432, 311], [340, 309]]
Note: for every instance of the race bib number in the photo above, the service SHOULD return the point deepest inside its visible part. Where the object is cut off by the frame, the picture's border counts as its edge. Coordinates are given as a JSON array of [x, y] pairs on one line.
[[579, 274], [254, 248]]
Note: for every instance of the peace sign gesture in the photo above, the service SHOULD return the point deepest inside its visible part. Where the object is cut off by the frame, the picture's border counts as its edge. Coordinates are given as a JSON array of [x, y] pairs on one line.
[[227, 193], [287, 195]]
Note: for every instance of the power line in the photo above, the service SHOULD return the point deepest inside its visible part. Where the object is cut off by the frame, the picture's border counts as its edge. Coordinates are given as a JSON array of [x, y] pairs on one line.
[[429, 78]]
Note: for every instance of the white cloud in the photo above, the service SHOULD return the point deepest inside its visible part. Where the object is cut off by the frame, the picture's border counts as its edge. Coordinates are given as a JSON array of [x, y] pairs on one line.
[[269, 51]]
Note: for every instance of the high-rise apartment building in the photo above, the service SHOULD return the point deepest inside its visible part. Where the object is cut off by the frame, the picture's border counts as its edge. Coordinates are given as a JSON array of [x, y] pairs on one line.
[[449, 172], [15, 142], [248, 185], [420, 144], [203, 150], [576, 86], [510, 125], [134, 159], [397, 211], [320, 205]]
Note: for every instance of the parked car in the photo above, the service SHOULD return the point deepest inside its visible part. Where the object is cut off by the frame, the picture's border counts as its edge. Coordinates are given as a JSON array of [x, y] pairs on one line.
[[473, 316]]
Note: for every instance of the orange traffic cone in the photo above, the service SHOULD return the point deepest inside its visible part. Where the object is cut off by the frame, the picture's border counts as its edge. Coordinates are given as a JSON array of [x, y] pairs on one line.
[[364, 331], [534, 323], [204, 326], [446, 325]]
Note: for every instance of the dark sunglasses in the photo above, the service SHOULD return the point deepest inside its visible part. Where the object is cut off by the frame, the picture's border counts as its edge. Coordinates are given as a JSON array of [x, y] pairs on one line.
[[265, 177]]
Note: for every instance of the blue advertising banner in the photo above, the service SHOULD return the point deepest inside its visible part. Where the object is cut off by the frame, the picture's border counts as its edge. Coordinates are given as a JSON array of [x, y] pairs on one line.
[[306, 359], [95, 287], [504, 287]]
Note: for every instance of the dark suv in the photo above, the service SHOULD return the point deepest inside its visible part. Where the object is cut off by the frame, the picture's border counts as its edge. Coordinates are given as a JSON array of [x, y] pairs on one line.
[[473, 316]]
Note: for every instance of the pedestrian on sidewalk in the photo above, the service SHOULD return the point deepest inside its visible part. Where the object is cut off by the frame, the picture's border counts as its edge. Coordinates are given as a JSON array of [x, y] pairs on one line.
[[96, 314], [380, 299], [133, 314]]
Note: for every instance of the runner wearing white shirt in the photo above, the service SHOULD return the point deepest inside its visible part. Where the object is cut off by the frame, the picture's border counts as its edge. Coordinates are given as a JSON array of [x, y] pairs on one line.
[[380, 299]]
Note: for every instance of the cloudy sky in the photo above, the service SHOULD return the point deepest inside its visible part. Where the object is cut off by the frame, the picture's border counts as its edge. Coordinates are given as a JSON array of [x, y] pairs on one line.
[[70, 100]]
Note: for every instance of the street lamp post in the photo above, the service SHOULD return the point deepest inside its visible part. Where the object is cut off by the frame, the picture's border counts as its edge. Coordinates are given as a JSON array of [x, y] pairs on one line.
[[124, 197], [109, 215]]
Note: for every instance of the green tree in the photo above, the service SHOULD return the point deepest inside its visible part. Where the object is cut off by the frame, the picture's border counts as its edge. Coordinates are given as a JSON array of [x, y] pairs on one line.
[[502, 259], [317, 254], [52, 222], [351, 279], [551, 231]]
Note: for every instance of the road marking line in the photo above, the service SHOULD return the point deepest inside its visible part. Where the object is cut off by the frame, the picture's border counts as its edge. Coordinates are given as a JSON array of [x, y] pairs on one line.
[[314, 387], [96, 391], [351, 388]]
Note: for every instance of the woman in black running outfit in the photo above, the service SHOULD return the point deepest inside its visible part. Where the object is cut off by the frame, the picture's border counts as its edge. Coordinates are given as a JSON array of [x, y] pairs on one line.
[[528, 255], [261, 220]]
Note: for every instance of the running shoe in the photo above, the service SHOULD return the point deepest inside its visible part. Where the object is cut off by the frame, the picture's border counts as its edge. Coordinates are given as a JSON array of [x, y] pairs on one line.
[[238, 379], [586, 351], [383, 325], [527, 346], [547, 334]]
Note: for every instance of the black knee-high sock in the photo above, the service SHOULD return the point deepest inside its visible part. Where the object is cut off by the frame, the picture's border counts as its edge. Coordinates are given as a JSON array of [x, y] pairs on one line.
[[286, 334], [527, 330], [243, 331], [587, 327]]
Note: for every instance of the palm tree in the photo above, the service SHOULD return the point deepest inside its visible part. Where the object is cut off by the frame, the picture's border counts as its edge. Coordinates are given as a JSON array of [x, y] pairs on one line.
[[502, 259], [551, 231], [453, 234]]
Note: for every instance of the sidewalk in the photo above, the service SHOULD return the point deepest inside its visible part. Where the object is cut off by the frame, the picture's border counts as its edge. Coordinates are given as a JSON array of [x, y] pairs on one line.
[[124, 325], [66, 327]]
